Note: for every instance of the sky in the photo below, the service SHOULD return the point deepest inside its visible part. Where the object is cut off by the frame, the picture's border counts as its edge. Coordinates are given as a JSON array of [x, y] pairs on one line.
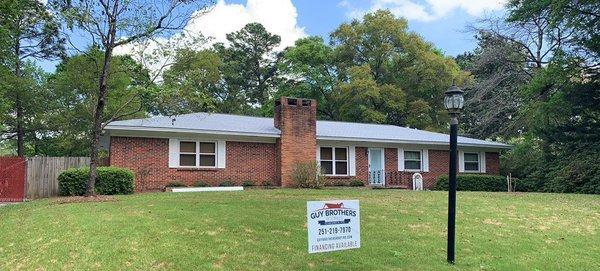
[[442, 22]]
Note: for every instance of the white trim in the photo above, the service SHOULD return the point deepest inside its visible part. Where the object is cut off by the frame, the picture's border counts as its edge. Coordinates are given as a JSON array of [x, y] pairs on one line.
[[186, 130], [482, 162], [425, 160], [221, 153], [207, 189], [400, 159], [417, 142], [420, 162], [197, 141], [352, 161], [173, 153], [113, 127], [478, 162], [334, 160], [382, 162], [461, 161]]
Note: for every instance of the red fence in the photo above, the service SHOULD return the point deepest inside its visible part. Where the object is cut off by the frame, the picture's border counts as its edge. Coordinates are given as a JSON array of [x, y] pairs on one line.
[[12, 179]]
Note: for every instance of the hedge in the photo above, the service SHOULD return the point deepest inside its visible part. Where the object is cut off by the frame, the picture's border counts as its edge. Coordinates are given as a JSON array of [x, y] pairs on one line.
[[474, 182], [109, 181]]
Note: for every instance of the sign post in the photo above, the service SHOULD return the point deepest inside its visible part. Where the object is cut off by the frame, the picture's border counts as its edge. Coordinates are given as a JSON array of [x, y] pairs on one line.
[[333, 225]]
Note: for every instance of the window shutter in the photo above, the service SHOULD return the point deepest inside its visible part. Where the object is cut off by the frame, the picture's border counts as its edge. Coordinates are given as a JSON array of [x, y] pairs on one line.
[[173, 153], [482, 162], [425, 160], [318, 154], [461, 161], [221, 154], [351, 160], [400, 159]]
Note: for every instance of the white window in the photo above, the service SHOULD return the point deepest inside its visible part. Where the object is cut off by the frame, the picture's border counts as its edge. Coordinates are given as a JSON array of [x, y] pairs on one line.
[[197, 154], [471, 162], [412, 160], [334, 161]]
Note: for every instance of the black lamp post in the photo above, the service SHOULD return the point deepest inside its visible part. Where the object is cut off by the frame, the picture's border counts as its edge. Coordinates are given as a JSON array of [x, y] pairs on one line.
[[453, 101]]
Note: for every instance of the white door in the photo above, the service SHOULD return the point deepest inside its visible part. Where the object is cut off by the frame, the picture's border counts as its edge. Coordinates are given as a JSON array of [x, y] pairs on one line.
[[376, 166]]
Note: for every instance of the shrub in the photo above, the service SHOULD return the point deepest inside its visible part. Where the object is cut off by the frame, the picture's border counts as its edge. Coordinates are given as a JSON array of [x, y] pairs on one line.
[[356, 183], [474, 182], [267, 184], [227, 183], [339, 183], [109, 181], [248, 183], [307, 175], [199, 184], [175, 184]]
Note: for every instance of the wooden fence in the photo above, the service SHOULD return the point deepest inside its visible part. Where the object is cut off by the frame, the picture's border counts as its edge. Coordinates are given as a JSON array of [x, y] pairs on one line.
[[42, 174]]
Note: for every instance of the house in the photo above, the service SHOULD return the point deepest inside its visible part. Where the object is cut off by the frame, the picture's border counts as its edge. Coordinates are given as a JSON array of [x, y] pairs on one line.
[[212, 148]]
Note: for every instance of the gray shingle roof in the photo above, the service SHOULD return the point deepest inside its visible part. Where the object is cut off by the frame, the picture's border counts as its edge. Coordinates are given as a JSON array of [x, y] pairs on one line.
[[246, 125]]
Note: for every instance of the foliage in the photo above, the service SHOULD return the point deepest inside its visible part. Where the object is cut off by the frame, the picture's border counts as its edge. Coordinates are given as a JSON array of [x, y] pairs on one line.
[[176, 184], [307, 175], [227, 183], [475, 182], [199, 184], [356, 183], [247, 183], [110, 181], [74, 87]]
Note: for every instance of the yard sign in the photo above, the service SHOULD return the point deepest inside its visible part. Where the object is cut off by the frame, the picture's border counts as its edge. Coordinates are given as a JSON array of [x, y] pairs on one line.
[[333, 225]]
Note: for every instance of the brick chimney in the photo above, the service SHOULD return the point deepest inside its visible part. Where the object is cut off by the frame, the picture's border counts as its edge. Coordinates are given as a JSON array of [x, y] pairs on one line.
[[297, 120]]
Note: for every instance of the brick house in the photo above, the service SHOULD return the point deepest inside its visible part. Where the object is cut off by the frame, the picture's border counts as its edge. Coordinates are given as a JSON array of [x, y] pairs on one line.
[[213, 148]]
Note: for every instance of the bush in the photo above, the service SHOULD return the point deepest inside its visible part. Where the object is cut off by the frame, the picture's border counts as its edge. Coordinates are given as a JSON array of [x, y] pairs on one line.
[[247, 183], [109, 181], [227, 183], [356, 183], [199, 184], [307, 175], [474, 182], [339, 183], [175, 184]]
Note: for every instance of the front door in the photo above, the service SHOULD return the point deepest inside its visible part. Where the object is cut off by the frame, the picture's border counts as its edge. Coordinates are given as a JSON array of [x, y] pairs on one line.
[[376, 167]]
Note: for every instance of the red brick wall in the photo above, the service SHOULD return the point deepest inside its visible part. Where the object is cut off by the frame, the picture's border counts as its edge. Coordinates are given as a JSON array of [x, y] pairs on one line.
[[298, 141], [492, 163], [438, 165], [149, 159]]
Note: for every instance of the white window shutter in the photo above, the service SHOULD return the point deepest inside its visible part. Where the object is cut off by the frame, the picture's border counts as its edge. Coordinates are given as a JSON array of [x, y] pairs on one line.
[[461, 161], [173, 152], [221, 154], [482, 162], [400, 159], [318, 154], [351, 160], [425, 160]]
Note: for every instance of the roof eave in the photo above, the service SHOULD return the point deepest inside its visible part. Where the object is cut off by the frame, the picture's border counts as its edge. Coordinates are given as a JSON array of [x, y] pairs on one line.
[[423, 142], [186, 130]]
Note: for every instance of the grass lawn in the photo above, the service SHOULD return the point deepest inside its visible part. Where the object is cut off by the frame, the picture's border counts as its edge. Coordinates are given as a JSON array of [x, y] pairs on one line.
[[265, 230]]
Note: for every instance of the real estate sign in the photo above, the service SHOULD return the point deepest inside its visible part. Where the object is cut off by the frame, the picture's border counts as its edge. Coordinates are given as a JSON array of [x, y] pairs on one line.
[[333, 225]]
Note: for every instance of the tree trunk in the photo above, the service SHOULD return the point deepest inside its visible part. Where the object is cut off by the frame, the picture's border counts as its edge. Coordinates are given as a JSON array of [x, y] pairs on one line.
[[99, 112], [18, 102]]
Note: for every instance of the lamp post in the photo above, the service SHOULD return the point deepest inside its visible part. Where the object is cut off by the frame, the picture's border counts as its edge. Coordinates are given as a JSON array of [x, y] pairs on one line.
[[453, 101]]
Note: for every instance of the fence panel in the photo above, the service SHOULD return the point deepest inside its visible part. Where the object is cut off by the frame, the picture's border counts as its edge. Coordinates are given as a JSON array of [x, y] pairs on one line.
[[42, 174], [12, 179]]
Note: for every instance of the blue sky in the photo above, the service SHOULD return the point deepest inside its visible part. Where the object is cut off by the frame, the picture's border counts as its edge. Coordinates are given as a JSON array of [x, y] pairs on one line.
[[442, 22]]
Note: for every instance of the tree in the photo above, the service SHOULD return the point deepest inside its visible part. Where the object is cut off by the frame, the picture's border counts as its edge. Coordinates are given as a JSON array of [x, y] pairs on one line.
[[493, 100], [74, 90], [249, 65], [114, 23], [398, 58], [192, 84], [312, 73], [31, 33]]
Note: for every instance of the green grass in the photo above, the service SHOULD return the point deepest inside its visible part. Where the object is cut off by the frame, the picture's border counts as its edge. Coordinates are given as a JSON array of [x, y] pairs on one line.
[[265, 230]]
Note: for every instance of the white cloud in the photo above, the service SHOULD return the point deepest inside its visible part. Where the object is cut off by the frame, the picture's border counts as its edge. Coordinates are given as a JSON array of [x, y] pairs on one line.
[[428, 10], [277, 16]]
